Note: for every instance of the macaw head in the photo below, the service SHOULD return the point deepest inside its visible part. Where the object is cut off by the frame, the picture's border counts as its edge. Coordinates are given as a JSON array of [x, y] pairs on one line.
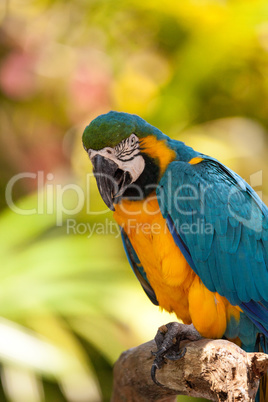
[[128, 156]]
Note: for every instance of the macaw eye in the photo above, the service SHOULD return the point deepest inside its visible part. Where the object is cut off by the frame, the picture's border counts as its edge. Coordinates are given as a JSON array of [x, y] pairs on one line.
[[132, 139]]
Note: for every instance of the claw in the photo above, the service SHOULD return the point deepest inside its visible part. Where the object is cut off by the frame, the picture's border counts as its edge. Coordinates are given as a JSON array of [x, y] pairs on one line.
[[153, 374], [176, 356], [159, 361], [168, 340]]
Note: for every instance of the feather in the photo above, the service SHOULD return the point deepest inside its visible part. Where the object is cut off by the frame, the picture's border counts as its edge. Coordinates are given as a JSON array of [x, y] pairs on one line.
[[232, 259], [137, 268]]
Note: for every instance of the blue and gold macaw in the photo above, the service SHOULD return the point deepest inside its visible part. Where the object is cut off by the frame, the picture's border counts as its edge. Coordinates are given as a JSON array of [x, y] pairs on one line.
[[195, 233]]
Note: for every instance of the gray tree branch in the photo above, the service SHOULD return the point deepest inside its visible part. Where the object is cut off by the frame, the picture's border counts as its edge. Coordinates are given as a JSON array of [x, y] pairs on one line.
[[217, 370]]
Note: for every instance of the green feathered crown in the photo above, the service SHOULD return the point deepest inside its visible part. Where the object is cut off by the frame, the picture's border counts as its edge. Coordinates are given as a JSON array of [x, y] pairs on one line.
[[107, 130]]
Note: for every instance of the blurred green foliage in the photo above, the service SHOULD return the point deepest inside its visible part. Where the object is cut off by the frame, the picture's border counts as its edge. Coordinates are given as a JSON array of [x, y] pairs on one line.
[[197, 70]]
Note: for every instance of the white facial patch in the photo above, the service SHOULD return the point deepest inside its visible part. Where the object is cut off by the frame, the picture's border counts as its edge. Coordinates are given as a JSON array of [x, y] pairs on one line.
[[126, 155]]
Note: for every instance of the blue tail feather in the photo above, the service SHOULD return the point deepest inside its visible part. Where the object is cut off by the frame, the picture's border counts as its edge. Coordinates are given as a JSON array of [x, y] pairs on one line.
[[258, 313]]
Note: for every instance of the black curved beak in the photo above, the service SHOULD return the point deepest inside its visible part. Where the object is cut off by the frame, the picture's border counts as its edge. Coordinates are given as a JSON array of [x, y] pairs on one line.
[[111, 180]]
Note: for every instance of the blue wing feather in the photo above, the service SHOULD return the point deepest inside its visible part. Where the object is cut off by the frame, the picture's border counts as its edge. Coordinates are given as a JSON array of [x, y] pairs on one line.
[[184, 249], [231, 256], [137, 268]]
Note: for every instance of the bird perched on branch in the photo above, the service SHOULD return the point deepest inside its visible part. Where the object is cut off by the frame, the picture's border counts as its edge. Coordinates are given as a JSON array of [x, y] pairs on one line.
[[195, 233]]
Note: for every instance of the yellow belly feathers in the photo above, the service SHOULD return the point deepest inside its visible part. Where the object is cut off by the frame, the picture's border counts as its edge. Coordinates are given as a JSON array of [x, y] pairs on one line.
[[175, 284]]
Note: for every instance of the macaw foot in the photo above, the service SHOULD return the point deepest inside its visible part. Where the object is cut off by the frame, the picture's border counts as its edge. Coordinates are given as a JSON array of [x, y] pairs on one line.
[[168, 340]]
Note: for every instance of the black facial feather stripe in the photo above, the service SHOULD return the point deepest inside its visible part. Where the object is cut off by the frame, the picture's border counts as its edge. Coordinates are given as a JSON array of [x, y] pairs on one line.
[[126, 147], [129, 159], [125, 154], [128, 152]]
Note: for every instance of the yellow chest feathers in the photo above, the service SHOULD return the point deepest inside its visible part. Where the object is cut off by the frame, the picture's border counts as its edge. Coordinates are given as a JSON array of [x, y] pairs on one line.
[[175, 284], [167, 270]]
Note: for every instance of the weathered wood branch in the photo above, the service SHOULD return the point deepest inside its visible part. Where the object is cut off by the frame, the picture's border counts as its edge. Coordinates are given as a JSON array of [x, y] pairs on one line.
[[217, 370]]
